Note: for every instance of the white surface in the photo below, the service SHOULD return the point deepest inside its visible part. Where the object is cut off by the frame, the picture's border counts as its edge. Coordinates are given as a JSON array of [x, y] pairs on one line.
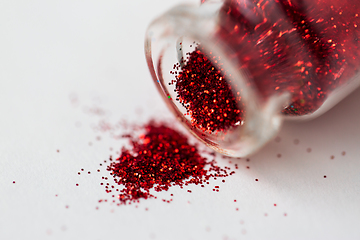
[[92, 51]]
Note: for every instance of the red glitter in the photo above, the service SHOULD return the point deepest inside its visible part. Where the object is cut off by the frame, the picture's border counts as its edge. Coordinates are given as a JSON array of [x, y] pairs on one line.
[[161, 157], [305, 47], [205, 93]]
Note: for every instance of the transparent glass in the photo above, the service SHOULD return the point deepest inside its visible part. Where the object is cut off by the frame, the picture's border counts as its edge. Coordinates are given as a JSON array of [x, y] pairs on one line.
[[283, 59]]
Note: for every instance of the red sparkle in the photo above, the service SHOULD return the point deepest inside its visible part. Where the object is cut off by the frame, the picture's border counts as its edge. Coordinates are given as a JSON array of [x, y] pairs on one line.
[[305, 48], [160, 158], [205, 93], [294, 46]]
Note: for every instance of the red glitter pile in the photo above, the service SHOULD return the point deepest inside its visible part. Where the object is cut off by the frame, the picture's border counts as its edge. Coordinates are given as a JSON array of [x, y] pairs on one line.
[[159, 158], [205, 93]]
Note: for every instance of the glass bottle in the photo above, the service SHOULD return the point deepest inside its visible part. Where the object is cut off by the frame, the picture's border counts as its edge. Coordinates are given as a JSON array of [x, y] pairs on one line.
[[275, 59]]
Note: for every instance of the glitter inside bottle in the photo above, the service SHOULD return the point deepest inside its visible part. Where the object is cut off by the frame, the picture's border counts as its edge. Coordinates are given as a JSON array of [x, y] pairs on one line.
[[233, 70]]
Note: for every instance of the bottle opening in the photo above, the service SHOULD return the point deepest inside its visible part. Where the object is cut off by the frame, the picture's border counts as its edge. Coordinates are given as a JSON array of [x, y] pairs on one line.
[[204, 90], [201, 91], [206, 86]]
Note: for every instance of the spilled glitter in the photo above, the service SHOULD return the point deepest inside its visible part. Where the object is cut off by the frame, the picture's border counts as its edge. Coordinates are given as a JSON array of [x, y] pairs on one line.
[[158, 158]]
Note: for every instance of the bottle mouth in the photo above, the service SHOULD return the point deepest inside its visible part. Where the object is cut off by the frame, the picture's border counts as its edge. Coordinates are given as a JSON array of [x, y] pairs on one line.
[[202, 93], [203, 87]]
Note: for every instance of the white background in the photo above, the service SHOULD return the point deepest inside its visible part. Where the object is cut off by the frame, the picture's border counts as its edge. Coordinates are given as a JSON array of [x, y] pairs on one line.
[[60, 60]]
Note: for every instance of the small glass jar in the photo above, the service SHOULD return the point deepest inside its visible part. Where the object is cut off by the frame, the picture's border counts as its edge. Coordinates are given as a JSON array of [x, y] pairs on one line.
[[284, 59]]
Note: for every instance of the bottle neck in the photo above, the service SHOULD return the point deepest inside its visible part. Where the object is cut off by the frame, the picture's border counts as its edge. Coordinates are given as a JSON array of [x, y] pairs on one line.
[[171, 41]]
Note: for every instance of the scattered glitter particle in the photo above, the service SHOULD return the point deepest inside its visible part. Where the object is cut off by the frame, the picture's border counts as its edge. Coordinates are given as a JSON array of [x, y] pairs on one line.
[[308, 150], [332, 157]]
